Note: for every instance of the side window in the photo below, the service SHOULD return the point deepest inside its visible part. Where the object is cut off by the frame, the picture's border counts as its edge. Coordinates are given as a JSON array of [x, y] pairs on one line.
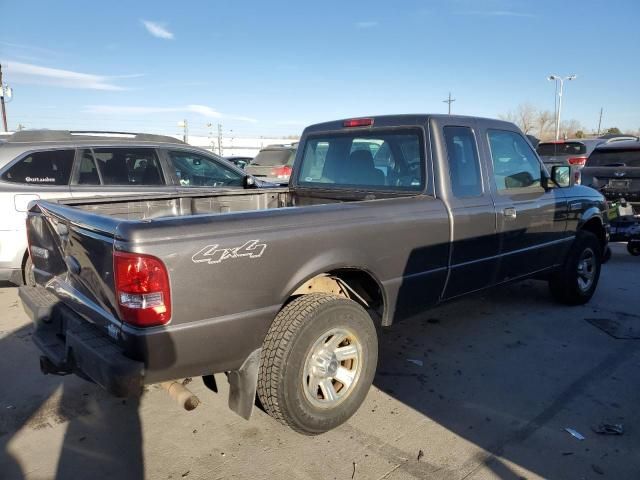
[[88, 174], [195, 170], [42, 168], [515, 166], [128, 166], [464, 166]]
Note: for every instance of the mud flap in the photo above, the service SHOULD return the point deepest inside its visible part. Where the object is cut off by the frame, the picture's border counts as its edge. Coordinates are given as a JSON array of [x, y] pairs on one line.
[[243, 384]]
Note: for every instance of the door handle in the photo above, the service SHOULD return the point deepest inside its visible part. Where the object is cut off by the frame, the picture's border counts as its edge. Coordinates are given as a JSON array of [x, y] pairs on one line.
[[510, 212]]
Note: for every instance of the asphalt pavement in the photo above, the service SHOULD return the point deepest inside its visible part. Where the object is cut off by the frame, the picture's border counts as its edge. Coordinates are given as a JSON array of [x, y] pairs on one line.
[[481, 388]]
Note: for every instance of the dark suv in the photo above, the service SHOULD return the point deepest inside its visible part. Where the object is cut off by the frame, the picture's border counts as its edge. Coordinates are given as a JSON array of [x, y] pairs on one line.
[[614, 170]]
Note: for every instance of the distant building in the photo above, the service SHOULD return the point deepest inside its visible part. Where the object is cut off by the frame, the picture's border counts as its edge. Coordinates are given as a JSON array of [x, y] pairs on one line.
[[236, 146]]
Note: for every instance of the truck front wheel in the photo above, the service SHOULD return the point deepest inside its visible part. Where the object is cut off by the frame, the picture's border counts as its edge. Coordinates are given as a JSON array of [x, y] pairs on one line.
[[317, 363], [576, 281]]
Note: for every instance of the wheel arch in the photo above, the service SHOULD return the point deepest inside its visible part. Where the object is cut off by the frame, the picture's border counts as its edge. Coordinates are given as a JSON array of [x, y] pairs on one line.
[[353, 282], [594, 224]]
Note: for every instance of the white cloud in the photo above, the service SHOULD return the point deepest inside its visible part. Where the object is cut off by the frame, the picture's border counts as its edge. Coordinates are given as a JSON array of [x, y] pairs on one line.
[[157, 29], [28, 73], [367, 24], [202, 110]]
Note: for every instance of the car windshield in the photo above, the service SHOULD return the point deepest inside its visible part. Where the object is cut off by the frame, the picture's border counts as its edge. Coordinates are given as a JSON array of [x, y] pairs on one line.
[[383, 160], [563, 148], [273, 158], [614, 158]]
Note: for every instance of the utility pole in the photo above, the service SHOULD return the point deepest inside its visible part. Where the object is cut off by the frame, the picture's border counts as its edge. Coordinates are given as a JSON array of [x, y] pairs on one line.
[[600, 122], [4, 112], [219, 139], [449, 101], [185, 131]]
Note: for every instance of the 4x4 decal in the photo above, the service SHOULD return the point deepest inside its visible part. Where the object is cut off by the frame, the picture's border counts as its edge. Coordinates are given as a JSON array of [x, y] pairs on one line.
[[213, 254]]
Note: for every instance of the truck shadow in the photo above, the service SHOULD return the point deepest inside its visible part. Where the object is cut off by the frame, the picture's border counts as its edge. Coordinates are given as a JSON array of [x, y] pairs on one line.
[[103, 434]]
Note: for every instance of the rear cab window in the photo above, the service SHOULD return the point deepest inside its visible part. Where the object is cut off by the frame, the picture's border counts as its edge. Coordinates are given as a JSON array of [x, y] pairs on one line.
[[51, 167], [551, 149], [387, 160], [274, 158]]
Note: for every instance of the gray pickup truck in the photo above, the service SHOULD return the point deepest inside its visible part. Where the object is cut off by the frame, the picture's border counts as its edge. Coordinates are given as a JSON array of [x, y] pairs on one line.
[[284, 289]]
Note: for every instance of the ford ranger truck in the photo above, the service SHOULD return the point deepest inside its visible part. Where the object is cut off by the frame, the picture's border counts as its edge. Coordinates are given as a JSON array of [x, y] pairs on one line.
[[284, 289]]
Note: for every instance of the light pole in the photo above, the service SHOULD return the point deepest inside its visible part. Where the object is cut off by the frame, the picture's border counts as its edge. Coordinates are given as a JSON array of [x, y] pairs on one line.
[[557, 78]]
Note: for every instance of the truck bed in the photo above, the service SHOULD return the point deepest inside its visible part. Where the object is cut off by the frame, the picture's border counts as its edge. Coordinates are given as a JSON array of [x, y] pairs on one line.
[[146, 207]]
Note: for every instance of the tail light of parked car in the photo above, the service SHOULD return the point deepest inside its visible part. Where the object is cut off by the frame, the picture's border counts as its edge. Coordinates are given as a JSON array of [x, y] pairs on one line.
[[142, 289], [283, 172], [577, 161]]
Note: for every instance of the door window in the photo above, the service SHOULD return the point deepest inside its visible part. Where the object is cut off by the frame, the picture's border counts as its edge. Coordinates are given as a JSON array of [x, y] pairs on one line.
[[88, 174], [128, 166], [52, 167], [194, 170], [515, 165], [464, 165]]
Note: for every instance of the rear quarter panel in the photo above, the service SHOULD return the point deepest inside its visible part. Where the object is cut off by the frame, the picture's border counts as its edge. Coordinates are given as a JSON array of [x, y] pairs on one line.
[[402, 242]]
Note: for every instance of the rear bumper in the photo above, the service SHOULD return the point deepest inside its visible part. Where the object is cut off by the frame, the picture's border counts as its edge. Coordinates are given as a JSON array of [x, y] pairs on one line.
[[70, 344]]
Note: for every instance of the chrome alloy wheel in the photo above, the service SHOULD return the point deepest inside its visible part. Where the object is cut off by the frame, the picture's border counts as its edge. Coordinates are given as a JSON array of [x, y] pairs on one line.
[[332, 368], [586, 269]]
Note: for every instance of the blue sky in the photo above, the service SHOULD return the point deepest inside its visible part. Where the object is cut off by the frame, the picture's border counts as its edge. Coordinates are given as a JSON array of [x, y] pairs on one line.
[[270, 68]]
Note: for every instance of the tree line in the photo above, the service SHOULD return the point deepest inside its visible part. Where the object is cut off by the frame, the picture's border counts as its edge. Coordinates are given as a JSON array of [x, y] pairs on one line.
[[541, 123]]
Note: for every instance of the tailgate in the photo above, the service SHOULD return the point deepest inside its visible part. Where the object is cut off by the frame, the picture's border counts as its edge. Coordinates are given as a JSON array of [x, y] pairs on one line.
[[72, 255], [614, 182]]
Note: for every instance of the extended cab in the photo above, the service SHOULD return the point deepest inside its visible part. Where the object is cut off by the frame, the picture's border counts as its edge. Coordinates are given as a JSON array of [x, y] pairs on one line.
[[283, 289]]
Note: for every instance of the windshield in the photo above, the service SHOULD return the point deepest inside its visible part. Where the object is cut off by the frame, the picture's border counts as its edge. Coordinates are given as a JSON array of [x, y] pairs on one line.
[[565, 148], [274, 158], [372, 160], [614, 158]]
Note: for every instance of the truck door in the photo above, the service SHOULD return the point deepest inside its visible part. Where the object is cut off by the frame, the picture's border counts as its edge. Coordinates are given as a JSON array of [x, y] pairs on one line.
[[531, 221], [474, 248]]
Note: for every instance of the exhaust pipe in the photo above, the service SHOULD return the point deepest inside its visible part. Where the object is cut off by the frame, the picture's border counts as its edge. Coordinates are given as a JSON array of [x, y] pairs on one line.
[[185, 398]]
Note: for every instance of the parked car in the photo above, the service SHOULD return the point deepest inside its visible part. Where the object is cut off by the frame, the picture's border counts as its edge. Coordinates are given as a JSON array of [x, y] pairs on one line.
[[293, 282], [62, 164], [273, 163], [568, 152], [240, 162], [614, 170]]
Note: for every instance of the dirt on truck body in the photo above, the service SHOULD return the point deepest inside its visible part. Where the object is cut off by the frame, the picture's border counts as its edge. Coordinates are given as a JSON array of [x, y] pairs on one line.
[[284, 288]]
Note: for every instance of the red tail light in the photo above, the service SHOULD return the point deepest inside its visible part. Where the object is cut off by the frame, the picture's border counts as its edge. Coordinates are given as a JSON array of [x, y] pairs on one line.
[[577, 161], [142, 289], [283, 172], [358, 122]]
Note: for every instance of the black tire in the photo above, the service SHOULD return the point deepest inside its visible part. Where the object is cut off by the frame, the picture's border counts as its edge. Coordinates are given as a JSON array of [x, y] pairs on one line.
[[286, 352], [28, 277], [568, 285], [633, 247]]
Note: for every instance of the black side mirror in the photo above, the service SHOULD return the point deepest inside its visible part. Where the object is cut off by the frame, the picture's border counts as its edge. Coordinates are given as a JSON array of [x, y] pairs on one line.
[[560, 176], [249, 182]]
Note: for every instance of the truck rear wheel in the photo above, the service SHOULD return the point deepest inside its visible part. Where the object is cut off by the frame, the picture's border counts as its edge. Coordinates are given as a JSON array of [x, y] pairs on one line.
[[317, 363], [576, 281]]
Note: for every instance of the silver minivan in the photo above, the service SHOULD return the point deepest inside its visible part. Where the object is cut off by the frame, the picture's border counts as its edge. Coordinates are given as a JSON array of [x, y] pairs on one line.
[[53, 164]]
